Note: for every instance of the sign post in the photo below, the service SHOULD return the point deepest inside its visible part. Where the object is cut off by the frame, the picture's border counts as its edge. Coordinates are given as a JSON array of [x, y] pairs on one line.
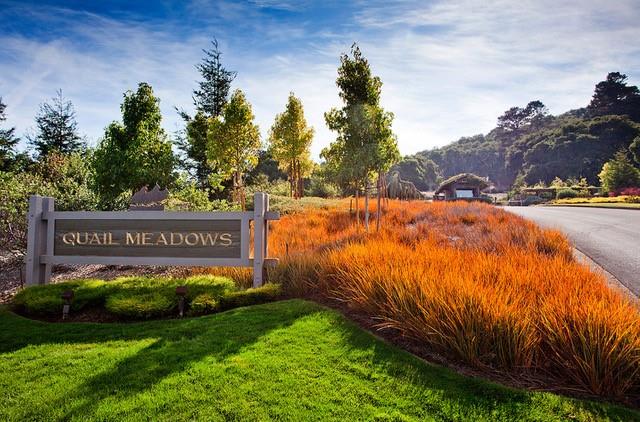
[[145, 238]]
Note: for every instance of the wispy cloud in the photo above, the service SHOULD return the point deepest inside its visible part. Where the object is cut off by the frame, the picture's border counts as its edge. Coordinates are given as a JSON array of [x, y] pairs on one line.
[[449, 68]]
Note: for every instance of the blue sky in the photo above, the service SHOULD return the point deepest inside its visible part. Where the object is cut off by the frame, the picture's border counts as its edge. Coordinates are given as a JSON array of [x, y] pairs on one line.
[[449, 68]]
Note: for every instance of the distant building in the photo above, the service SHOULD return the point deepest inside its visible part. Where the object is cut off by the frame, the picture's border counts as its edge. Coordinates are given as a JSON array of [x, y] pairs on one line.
[[466, 186]]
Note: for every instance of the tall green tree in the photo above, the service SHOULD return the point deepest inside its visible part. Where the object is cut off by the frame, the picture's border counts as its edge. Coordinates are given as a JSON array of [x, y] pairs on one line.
[[635, 149], [209, 100], [290, 142], [56, 128], [619, 173], [234, 143], [365, 144], [8, 142], [614, 96], [134, 153]]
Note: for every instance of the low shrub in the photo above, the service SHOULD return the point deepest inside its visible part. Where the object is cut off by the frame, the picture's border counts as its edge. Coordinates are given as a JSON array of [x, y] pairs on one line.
[[134, 297], [532, 200], [46, 300], [629, 192], [204, 303], [141, 305], [567, 193], [267, 293]]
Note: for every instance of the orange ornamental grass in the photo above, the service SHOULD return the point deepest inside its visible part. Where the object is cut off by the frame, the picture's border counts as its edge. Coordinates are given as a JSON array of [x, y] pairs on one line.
[[471, 281]]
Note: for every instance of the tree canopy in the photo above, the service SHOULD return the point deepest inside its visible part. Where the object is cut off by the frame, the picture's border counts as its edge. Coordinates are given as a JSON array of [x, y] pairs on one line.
[[56, 128], [234, 142], [365, 143], [619, 173], [290, 142], [8, 142], [136, 152], [614, 96], [531, 146]]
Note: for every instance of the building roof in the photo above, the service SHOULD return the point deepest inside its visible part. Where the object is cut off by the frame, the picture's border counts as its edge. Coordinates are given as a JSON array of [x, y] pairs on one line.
[[464, 178]]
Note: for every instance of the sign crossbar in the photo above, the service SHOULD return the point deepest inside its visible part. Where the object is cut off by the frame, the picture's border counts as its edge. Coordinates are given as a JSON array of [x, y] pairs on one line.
[[203, 239]]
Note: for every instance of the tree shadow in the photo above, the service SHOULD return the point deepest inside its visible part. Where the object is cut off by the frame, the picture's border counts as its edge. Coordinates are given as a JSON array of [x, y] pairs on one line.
[[465, 391], [173, 346]]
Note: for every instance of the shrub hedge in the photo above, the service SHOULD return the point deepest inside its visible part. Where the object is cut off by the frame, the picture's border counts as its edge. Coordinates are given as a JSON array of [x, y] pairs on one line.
[[142, 297]]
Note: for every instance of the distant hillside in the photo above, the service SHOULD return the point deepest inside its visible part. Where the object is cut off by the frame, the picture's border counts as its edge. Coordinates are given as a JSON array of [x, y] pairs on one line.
[[530, 142]]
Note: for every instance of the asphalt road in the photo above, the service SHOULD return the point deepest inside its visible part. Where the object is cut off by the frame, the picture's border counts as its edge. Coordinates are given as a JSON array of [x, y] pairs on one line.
[[610, 237]]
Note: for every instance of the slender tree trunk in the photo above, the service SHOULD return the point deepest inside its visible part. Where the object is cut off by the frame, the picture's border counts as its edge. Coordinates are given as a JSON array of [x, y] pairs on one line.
[[366, 205], [357, 208], [292, 179], [378, 209]]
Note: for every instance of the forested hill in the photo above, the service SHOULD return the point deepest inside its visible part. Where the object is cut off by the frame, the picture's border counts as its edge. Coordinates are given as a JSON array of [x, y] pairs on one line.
[[530, 143]]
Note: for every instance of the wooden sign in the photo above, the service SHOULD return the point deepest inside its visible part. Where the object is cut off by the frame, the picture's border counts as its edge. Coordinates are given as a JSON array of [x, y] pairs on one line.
[[145, 238]]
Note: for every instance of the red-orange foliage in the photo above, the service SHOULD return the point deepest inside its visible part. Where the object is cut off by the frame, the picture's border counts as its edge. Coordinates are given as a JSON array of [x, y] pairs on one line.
[[471, 281]]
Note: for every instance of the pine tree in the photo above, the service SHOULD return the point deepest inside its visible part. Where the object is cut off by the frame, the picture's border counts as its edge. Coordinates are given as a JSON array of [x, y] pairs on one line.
[[8, 141], [213, 94], [209, 100], [614, 96], [57, 128]]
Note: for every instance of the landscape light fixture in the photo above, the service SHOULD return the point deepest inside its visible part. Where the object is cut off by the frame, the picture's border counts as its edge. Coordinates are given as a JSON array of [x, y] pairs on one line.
[[67, 297], [181, 292]]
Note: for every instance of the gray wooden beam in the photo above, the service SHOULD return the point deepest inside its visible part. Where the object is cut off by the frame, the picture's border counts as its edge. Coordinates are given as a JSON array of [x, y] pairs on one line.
[[259, 205], [38, 271]]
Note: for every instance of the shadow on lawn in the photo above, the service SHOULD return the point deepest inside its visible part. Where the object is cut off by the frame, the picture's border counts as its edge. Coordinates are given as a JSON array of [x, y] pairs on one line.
[[465, 391], [177, 344]]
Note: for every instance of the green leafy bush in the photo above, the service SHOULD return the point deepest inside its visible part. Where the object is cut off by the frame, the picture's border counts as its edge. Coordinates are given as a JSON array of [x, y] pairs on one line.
[[141, 305], [567, 193], [267, 293], [141, 297], [46, 300], [532, 200], [204, 303]]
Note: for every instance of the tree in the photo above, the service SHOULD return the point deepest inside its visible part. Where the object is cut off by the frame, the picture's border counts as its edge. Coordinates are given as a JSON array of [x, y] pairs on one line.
[[290, 140], [133, 153], [209, 100], [8, 142], [619, 173], [365, 143], [420, 171], [233, 143], [614, 96], [635, 149], [213, 94], [56, 128], [518, 121]]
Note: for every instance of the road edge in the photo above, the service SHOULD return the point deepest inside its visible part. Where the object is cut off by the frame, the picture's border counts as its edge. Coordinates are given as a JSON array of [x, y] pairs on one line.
[[590, 206], [612, 281]]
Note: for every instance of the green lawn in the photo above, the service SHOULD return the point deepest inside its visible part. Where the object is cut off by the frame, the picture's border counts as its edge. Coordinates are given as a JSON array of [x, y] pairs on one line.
[[290, 360]]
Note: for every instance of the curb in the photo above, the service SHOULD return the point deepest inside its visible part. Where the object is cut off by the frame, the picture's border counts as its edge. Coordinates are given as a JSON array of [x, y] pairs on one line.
[[592, 206], [612, 281]]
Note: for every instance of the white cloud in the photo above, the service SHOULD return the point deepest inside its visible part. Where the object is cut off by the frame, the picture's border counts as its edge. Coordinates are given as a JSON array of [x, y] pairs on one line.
[[449, 68]]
